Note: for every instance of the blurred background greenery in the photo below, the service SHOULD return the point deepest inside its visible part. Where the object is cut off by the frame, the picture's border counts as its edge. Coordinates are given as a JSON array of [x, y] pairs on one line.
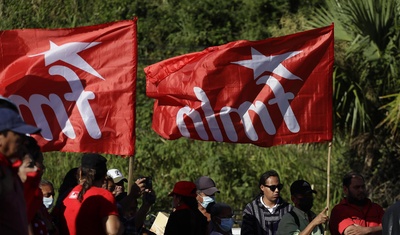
[[366, 90]]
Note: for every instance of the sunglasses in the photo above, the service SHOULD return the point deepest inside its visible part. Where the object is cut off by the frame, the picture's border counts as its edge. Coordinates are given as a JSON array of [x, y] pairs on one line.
[[274, 187]]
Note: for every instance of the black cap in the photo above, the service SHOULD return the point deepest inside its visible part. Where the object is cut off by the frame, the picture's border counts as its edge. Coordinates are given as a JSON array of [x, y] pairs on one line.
[[301, 187], [94, 161]]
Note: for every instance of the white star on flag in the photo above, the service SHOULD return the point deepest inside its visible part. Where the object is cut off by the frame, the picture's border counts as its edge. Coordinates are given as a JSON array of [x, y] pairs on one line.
[[69, 54], [273, 63]]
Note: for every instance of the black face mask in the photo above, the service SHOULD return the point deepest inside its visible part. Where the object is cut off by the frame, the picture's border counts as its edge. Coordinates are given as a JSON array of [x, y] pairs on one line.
[[305, 204]]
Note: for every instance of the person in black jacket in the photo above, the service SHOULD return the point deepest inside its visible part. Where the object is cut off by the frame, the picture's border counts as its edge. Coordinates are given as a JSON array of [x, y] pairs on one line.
[[185, 219]]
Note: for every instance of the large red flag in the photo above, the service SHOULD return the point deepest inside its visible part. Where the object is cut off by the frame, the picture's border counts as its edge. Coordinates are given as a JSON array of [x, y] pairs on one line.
[[77, 84], [270, 92]]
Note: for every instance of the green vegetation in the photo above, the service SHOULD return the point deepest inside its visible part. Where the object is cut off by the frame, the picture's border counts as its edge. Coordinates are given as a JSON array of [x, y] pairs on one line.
[[366, 90]]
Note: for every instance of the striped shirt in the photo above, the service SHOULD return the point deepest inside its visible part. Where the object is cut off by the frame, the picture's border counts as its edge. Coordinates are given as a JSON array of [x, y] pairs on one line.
[[258, 220]]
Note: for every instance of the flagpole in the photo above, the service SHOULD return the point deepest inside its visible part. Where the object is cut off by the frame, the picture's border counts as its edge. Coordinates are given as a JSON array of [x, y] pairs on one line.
[[328, 175], [130, 173]]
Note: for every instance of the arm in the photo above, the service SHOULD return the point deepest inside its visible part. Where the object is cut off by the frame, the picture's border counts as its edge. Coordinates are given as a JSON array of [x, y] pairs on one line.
[[249, 224], [319, 219], [112, 225], [361, 230], [130, 201], [149, 198]]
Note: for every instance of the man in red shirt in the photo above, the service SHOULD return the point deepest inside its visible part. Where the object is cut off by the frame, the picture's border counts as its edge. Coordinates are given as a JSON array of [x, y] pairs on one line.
[[13, 131], [89, 208], [355, 214]]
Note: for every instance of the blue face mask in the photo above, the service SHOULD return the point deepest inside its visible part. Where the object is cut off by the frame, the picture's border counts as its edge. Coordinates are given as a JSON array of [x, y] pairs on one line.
[[207, 200], [226, 224]]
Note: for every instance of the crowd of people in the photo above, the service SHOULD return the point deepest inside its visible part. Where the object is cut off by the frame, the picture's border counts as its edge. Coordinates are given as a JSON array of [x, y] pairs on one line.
[[92, 199]]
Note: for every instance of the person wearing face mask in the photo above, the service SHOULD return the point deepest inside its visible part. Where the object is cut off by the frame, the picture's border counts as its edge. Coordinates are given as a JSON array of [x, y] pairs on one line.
[[301, 220], [221, 218], [48, 193], [206, 190], [356, 214]]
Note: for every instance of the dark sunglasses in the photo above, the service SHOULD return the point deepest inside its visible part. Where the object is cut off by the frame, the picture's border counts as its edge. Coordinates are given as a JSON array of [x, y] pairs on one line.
[[274, 187]]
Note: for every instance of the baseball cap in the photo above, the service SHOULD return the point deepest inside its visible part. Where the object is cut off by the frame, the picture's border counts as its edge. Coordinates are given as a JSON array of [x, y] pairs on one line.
[[7, 103], [206, 185], [94, 161], [184, 188], [116, 175], [301, 187], [10, 120]]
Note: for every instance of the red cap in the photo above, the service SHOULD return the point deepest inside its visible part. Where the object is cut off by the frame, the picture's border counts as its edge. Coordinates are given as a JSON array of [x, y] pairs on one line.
[[184, 188]]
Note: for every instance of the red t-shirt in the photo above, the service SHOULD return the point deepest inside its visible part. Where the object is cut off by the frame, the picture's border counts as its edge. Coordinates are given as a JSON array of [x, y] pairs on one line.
[[345, 214], [86, 217]]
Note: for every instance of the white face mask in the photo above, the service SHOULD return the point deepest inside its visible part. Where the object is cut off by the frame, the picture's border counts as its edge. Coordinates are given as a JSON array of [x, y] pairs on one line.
[[48, 202], [207, 200]]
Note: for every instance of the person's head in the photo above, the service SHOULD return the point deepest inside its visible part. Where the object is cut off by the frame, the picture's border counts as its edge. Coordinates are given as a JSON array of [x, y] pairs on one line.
[[184, 192], [13, 131], [354, 188], [27, 167], [302, 195], [221, 216], [270, 186], [206, 190], [92, 172], [109, 184], [48, 193], [33, 149], [119, 181]]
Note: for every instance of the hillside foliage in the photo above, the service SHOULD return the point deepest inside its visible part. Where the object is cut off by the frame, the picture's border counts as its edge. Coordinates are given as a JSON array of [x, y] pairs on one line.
[[365, 135]]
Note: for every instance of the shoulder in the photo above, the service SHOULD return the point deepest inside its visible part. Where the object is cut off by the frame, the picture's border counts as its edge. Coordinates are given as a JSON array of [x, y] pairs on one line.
[[252, 206]]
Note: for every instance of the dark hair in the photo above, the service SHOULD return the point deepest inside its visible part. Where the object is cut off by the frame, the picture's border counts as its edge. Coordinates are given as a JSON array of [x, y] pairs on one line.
[[87, 178], [45, 182], [33, 148], [69, 182], [266, 175], [347, 178]]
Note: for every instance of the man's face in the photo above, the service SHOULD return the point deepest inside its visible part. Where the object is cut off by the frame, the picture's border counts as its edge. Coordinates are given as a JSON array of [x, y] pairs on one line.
[[303, 201], [270, 189], [356, 191], [11, 144]]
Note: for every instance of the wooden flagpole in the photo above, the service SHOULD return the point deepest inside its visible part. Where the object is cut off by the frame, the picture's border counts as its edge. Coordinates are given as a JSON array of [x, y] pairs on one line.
[[328, 181], [130, 174]]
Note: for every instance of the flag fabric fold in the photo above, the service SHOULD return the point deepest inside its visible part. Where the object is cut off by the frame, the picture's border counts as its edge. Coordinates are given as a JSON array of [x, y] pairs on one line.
[[268, 92], [76, 84]]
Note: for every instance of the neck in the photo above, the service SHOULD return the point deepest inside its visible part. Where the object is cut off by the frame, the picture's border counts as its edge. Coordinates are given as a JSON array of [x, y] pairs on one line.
[[268, 202]]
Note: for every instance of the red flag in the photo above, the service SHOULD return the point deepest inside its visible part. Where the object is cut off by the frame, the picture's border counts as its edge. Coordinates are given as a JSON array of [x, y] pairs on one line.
[[270, 92], [77, 84]]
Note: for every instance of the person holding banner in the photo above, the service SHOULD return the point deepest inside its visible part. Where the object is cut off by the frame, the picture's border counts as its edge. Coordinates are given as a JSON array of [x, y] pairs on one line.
[[356, 214], [262, 215], [89, 208], [13, 131], [301, 220]]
